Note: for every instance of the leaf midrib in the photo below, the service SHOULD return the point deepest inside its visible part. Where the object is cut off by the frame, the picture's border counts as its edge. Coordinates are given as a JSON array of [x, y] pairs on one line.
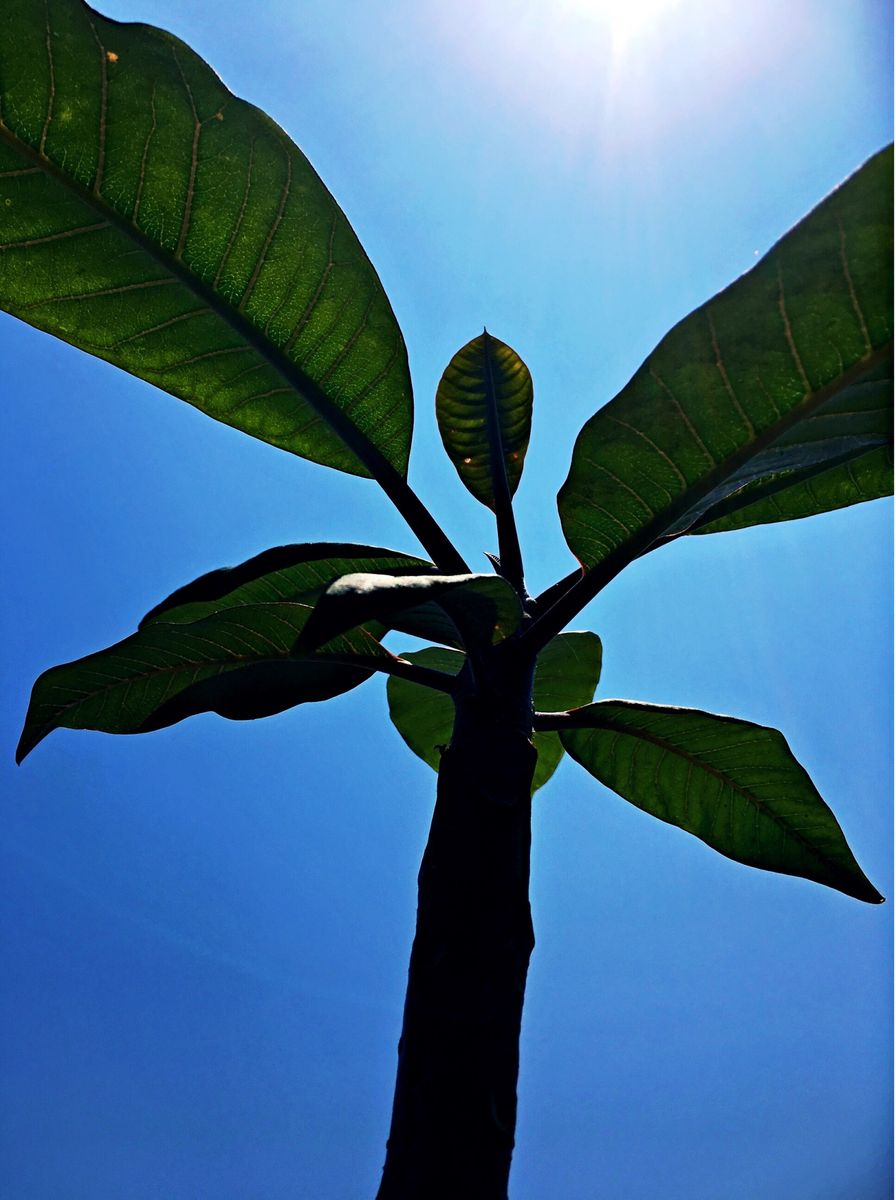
[[496, 448], [372, 458]]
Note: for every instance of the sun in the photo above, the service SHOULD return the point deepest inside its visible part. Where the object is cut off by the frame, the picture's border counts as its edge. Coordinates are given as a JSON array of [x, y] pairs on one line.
[[625, 21]]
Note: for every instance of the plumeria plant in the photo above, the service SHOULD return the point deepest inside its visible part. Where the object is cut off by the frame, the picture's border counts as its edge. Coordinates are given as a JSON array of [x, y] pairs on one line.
[[155, 220]]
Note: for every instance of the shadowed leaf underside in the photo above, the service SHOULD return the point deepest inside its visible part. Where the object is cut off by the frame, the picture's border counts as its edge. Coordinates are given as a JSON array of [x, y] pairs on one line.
[[241, 663], [841, 455]]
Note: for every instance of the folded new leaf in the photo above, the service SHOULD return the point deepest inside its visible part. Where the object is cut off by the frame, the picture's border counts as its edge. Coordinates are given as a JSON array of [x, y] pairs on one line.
[[241, 663], [733, 784], [480, 609], [840, 455], [299, 572], [784, 371], [867, 476], [484, 412], [566, 676]]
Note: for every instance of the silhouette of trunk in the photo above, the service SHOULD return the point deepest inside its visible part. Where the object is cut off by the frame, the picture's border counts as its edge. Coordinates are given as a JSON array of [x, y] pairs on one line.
[[454, 1112]]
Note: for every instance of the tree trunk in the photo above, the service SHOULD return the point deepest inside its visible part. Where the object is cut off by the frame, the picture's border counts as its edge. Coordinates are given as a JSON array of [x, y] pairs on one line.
[[454, 1111]]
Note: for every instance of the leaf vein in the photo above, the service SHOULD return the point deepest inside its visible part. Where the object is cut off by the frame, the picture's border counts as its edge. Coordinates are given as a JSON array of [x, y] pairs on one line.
[[54, 237], [681, 412], [262, 257]]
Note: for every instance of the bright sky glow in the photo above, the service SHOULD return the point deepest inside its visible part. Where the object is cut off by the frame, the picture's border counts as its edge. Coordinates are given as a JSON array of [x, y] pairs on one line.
[[626, 21], [628, 73]]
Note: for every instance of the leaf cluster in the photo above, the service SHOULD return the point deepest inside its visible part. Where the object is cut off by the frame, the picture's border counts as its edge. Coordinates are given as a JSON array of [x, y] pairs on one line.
[[157, 221]]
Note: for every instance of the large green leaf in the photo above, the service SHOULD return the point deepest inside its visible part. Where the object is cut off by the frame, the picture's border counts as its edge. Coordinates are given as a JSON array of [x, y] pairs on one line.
[[744, 383], [841, 455], [484, 411], [241, 663], [284, 573], [481, 609], [735, 785], [157, 221], [566, 676]]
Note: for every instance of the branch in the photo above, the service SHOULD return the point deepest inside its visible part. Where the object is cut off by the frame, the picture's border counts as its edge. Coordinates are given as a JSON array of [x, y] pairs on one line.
[[419, 519], [552, 594], [439, 681]]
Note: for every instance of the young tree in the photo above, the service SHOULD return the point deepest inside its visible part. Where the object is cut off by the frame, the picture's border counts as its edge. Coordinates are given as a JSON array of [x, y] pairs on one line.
[[162, 224]]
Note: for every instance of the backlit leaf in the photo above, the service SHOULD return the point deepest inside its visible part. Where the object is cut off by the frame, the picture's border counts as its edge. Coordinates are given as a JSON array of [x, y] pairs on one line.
[[241, 663], [868, 476], [748, 382], [423, 716], [484, 411], [566, 676], [733, 784], [840, 456], [157, 221]]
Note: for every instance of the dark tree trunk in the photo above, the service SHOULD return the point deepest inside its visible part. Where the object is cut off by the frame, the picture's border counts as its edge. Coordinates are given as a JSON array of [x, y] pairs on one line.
[[454, 1112]]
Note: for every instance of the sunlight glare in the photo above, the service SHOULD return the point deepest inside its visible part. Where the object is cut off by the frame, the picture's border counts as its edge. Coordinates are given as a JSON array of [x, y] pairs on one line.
[[626, 21]]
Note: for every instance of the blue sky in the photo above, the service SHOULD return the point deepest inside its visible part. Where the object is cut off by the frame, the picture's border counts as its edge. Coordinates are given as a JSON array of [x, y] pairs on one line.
[[207, 928]]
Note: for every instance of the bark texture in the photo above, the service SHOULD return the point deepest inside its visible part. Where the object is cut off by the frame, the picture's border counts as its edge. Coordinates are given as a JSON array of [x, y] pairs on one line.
[[454, 1112]]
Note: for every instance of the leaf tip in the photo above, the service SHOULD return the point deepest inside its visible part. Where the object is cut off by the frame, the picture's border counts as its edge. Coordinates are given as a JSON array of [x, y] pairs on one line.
[[27, 742], [865, 891]]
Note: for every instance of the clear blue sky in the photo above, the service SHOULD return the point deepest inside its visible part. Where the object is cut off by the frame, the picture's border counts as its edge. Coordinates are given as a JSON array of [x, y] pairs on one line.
[[206, 929]]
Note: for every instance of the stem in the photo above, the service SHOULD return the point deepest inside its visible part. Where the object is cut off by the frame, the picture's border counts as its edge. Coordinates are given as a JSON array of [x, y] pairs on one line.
[[441, 681], [552, 594], [508, 539], [454, 1113], [570, 603], [417, 516]]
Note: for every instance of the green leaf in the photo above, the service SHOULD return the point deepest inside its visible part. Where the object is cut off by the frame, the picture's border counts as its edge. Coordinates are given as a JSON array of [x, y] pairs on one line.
[[423, 716], [484, 411], [733, 784], [842, 455], [741, 381], [566, 676], [155, 220], [241, 663], [285, 573], [483, 609]]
